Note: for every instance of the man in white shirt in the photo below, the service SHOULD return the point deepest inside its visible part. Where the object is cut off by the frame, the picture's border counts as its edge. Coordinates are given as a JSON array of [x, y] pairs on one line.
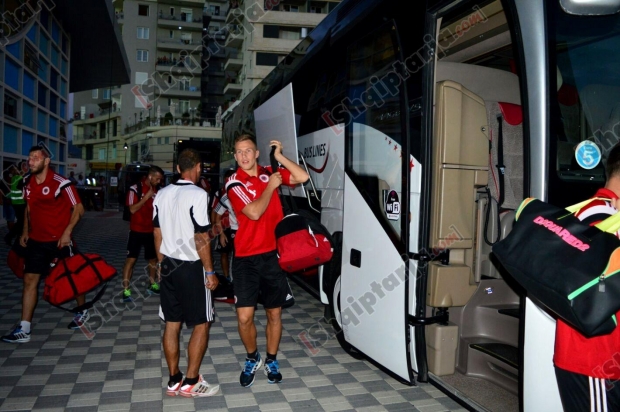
[[181, 222]]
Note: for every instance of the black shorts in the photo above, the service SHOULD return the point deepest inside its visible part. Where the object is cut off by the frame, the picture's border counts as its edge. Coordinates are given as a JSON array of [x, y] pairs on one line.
[[261, 274], [183, 296], [39, 256], [136, 241], [583, 393], [230, 235]]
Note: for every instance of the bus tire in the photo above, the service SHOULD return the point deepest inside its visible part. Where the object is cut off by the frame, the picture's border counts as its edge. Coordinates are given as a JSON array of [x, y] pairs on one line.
[[333, 294]]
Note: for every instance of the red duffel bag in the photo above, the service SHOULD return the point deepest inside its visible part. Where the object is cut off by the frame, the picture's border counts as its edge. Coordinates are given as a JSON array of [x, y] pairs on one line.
[[76, 275], [15, 261], [299, 247]]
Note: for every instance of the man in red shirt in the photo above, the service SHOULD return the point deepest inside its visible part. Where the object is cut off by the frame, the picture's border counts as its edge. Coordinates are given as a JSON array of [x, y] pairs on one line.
[[252, 191], [588, 369], [53, 208], [140, 201]]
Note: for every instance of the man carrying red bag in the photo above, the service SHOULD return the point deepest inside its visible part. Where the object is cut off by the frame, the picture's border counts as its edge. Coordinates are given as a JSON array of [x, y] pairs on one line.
[[53, 209]]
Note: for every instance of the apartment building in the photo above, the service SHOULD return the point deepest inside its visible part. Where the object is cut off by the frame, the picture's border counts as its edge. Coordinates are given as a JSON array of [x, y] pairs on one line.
[[261, 33], [51, 51], [163, 41]]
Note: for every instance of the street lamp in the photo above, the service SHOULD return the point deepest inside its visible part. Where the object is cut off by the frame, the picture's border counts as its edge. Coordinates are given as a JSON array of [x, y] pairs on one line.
[[125, 147]]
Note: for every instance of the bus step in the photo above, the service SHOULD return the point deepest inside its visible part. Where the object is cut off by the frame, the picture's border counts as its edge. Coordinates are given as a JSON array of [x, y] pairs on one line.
[[515, 312], [505, 353]]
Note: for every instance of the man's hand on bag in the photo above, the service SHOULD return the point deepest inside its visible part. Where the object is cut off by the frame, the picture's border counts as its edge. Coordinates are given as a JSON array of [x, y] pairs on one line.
[[223, 239], [65, 240], [275, 180], [212, 282]]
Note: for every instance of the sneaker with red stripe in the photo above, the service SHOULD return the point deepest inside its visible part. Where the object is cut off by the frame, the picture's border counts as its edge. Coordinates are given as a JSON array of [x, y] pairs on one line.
[[201, 389], [174, 388]]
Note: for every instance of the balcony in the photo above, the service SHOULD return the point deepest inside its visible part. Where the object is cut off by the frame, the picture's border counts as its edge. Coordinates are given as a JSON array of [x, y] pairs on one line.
[[235, 35], [280, 46], [179, 44], [233, 87], [120, 17], [98, 116], [178, 90], [235, 12], [285, 18], [177, 67], [234, 62], [170, 120], [82, 139], [175, 22]]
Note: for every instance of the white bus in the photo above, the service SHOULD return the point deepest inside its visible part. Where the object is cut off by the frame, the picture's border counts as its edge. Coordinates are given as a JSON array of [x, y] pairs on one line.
[[424, 125]]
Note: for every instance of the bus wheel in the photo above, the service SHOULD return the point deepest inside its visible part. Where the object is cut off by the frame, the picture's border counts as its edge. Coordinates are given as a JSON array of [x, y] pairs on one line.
[[336, 320]]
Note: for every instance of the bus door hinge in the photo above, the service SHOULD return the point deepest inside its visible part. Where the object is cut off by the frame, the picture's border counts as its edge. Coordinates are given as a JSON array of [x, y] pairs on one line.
[[441, 318], [442, 256]]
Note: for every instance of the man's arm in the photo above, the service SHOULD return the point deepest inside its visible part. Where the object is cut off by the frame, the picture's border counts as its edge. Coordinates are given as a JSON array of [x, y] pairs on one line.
[[76, 215], [298, 175], [133, 208], [254, 210], [24, 237], [204, 252], [158, 241]]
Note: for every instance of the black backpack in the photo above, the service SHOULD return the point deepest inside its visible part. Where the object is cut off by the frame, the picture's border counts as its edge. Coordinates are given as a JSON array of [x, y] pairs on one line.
[[126, 211]]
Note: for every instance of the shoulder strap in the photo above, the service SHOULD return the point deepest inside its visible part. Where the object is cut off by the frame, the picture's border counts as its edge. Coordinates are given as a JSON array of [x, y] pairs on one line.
[[500, 161], [288, 203]]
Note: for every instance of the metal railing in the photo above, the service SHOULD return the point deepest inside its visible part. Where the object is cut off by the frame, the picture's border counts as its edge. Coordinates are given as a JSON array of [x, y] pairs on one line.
[[168, 120], [180, 18]]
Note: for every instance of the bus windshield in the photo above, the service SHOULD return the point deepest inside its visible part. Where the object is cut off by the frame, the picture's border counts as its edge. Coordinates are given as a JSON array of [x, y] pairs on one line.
[[584, 60]]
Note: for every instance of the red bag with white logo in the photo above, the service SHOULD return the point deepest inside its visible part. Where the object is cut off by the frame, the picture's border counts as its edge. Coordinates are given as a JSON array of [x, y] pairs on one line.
[[299, 247]]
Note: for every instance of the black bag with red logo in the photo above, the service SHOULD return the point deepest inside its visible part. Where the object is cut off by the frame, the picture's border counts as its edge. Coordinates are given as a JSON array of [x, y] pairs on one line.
[[76, 275], [570, 267], [302, 241]]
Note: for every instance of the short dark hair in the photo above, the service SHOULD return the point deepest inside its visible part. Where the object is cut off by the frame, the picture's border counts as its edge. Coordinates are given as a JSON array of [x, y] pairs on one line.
[[156, 169], [244, 137], [188, 159], [613, 161], [39, 149]]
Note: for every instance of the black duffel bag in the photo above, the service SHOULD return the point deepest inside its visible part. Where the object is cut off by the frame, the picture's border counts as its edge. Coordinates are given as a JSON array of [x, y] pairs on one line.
[[565, 264]]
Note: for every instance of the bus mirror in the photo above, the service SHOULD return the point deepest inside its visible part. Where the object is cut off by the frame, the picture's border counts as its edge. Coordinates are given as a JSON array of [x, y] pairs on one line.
[[590, 7]]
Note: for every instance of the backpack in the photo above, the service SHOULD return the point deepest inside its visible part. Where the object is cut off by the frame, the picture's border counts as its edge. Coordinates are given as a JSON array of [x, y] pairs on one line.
[[126, 211]]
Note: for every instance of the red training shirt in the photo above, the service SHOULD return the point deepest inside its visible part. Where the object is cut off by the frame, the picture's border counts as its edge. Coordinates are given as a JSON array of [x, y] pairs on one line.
[[255, 236], [596, 356], [142, 220], [50, 206]]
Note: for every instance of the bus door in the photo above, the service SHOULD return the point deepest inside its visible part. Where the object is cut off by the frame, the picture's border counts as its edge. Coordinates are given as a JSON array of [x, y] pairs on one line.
[[375, 284]]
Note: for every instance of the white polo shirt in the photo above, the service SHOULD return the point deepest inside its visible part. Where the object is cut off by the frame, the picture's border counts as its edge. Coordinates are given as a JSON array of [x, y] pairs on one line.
[[180, 210], [224, 206]]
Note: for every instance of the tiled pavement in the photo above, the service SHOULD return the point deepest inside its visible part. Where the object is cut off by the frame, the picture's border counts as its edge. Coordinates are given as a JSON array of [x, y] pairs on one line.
[[122, 367]]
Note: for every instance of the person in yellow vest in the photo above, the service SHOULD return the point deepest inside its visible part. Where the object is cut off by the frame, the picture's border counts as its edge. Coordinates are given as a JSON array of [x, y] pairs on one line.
[[19, 205]]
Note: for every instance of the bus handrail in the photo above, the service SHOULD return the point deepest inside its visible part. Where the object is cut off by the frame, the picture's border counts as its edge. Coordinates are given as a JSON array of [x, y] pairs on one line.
[[316, 195]]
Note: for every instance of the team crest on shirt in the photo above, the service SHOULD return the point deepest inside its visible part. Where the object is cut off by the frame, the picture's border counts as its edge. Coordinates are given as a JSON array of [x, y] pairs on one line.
[[46, 190], [264, 178]]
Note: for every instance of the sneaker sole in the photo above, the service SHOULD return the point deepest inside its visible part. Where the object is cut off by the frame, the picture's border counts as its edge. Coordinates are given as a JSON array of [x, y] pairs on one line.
[[172, 393], [16, 341]]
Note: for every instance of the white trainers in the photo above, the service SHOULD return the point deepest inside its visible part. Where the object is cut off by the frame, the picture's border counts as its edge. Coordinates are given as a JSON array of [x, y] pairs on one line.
[[17, 336], [173, 390], [201, 389]]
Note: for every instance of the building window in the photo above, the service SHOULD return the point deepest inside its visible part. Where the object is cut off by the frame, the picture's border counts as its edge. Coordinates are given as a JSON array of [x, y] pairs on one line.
[[271, 32], [95, 93], [106, 94], [291, 8], [141, 77], [143, 55], [290, 33], [167, 140], [186, 15], [184, 106], [101, 154], [143, 33], [143, 10], [171, 34], [266, 59], [172, 11], [10, 106]]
